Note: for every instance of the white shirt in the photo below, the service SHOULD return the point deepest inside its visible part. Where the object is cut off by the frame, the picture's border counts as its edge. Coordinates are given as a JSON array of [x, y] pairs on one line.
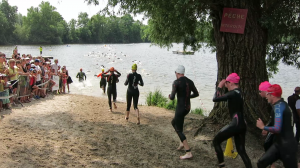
[[298, 104], [55, 67], [46, 73], [38, 76]]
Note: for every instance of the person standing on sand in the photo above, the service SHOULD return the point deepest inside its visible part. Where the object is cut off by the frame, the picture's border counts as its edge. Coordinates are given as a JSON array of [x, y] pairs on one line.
[[133, 80], [285, 146], [41, 50], [81, 75], [112, 79], [183, 88], [237, 127], [102, 81]]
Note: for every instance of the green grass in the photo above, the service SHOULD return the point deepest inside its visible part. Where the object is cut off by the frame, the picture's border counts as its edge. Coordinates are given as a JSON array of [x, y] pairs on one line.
[[198, 111], [156, 98]]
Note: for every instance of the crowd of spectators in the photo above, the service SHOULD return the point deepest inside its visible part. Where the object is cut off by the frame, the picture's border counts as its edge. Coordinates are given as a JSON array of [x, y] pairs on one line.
[[26, 78]]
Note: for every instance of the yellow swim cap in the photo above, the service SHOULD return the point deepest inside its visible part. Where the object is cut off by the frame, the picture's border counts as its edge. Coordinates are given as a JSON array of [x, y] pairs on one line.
[[102, 69], [134, 67]]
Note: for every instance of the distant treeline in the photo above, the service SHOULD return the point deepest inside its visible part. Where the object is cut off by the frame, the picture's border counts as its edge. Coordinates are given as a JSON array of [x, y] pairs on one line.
[[44, 25]]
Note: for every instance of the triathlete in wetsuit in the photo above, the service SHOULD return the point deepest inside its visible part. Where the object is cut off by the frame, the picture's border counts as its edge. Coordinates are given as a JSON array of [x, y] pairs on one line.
[[285, 146], [81, 75], [102, 81], [263, 87], [237, 127], [112, 79], [133, 79], [183, 87]]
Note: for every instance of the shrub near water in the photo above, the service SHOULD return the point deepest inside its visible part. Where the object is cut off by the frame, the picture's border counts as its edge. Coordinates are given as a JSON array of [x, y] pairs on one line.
[[156, 98], [198, 111]]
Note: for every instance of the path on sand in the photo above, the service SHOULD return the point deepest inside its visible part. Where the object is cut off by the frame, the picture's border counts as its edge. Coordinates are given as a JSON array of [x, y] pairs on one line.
[[79, 131]]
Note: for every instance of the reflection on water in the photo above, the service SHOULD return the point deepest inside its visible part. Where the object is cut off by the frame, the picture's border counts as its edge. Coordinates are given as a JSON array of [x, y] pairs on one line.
[[156, 66]]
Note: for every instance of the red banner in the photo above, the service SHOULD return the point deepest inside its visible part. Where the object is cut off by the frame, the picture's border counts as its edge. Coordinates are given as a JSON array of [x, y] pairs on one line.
[[234, 20]]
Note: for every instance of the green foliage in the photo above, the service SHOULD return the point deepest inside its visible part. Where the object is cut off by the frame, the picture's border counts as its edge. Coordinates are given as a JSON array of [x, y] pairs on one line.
[[198, 111], [156, 98], [44, 25], [8, 18]]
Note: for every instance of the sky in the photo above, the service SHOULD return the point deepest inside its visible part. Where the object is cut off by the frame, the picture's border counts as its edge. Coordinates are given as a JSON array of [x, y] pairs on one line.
[[69, 9]]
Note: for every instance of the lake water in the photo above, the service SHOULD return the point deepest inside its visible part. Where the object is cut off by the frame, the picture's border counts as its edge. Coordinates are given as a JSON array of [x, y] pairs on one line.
[[156, 65]]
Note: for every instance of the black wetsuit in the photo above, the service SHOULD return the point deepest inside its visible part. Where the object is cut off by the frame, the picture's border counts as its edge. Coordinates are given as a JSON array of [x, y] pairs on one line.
[[237, 128], [183, 87], [112, 79], [103, 83], [133, 79], [270, 136], [285, 146]]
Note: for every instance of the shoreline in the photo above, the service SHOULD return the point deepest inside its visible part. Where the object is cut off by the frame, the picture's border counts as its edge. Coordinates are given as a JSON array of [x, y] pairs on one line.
[[71, 130]]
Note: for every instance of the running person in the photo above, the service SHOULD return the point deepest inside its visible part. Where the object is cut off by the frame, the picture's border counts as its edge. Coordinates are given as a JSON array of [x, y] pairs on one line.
[[133, 79], [263, 87], [112, 79], [237, 127], [102, 81], [183, 87], [81, 75], [285, 145]]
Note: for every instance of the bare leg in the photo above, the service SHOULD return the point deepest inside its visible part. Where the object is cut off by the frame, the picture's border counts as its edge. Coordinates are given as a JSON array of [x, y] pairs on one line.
[[115, 105], [127, 115], [188, 154], [180, 147], [138, 116]]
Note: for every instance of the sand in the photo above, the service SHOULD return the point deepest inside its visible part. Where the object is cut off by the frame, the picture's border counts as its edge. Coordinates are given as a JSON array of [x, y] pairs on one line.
[[79, 131]]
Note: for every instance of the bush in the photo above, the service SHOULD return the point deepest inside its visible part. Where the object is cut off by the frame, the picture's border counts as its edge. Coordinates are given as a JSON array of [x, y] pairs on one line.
[[171, 105], [156, 98], [198, 111]]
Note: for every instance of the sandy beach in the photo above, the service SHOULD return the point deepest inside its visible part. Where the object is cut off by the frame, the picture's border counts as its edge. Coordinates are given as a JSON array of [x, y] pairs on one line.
[[79, 131]]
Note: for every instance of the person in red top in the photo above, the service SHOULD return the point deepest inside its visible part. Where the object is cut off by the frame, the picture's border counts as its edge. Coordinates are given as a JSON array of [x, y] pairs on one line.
[[102, 81]]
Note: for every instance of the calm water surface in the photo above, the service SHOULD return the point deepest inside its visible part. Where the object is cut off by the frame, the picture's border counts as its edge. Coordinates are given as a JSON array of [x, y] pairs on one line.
[[156, 66]]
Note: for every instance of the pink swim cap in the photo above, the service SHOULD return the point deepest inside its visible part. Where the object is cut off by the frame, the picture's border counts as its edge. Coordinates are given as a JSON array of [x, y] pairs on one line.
[[234, 78], [275, 90], [264, 86]]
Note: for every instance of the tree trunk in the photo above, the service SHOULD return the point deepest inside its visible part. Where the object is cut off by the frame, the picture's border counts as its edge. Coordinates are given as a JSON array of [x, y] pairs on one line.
[[245, 55]]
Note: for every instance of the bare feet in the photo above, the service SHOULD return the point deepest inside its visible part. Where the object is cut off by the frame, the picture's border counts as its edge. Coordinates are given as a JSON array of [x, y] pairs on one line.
[[138, 123], [110, 110], [188, 155], [126, 118], [115, 106]]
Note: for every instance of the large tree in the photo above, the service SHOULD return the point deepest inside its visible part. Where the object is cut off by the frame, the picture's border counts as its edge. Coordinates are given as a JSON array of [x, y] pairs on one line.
[[44, 24], [271, 34], [8, 16]]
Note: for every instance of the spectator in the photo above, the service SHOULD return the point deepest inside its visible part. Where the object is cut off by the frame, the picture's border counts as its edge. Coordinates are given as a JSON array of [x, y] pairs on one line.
[[292, 101]]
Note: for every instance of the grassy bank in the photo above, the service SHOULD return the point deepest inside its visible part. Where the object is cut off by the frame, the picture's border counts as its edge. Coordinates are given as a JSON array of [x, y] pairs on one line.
[[156, 98]]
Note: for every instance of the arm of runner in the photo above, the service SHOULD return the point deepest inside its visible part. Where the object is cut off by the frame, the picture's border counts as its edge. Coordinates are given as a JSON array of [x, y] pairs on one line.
[[84, 75], [77, 75], [141, 81], [195, 91], [126, 82], [218, 97], [100, 74], [118, 73], [277, 120], [172, 95]]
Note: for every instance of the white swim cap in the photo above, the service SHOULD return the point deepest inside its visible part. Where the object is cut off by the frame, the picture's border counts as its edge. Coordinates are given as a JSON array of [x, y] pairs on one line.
[[180, 69]]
